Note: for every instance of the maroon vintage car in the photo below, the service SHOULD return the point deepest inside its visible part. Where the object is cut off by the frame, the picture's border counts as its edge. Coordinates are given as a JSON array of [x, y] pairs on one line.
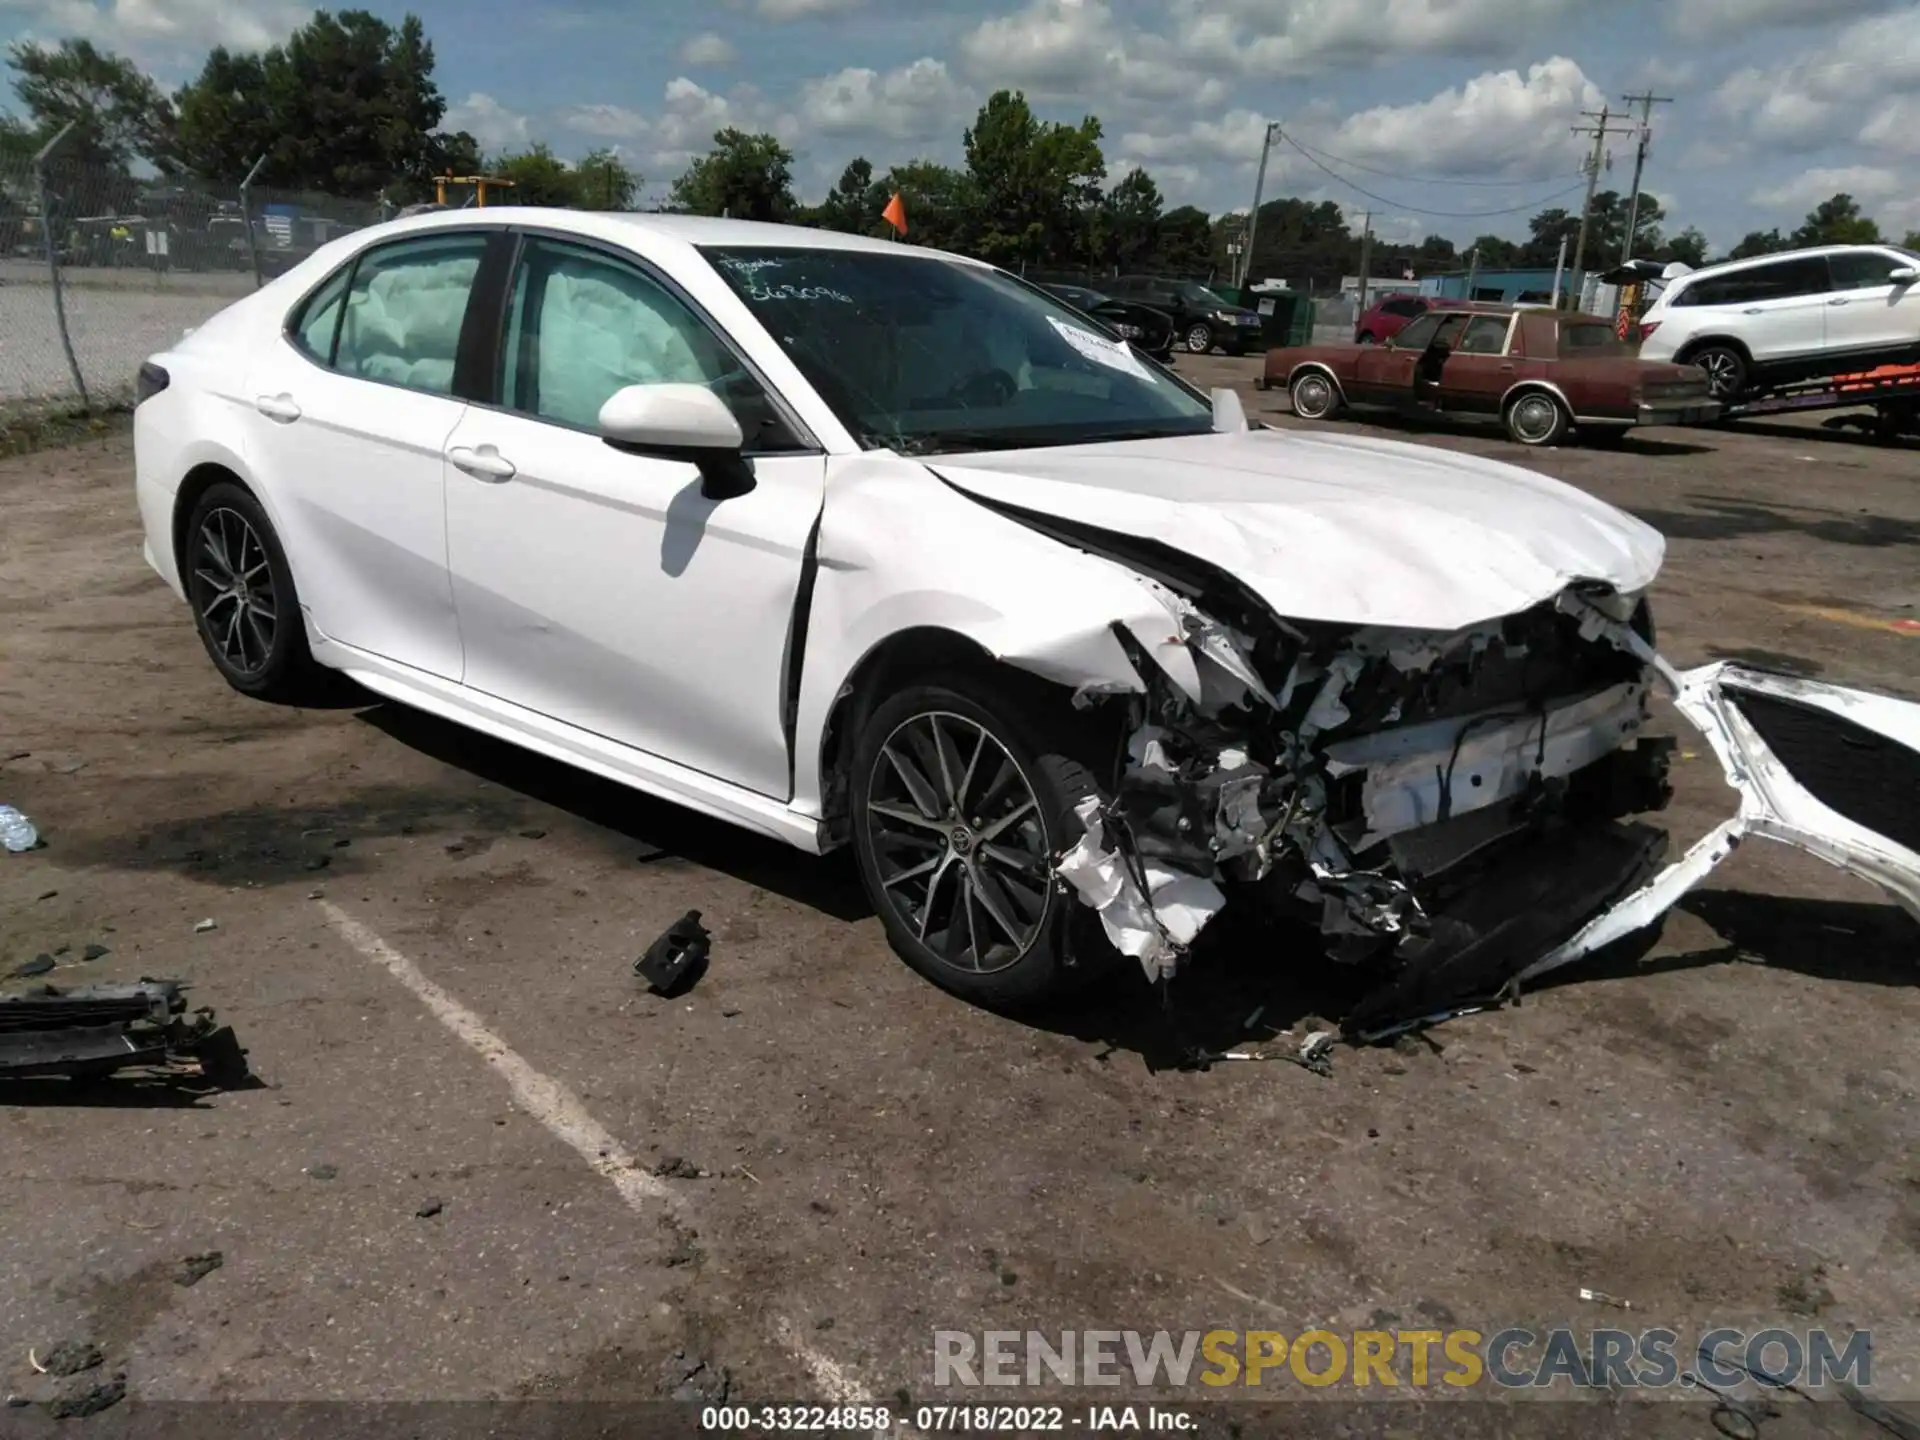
[[1537, 371]]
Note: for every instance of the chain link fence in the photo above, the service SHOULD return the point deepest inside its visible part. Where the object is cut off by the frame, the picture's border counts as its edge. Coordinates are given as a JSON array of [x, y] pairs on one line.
[[99, 271]]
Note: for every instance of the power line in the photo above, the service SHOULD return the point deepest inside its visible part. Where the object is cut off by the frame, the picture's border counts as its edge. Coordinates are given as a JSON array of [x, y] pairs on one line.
[[1312, 152], [1418, 210]]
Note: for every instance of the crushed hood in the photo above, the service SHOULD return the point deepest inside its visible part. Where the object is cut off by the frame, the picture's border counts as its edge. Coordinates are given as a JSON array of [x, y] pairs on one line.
[[1335, 528]]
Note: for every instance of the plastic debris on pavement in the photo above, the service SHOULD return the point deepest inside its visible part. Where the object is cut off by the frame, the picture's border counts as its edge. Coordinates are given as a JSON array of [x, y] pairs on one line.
[[17, 834], [673, 962]]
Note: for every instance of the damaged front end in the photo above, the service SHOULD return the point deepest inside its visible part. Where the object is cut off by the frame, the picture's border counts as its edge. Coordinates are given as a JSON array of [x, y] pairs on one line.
[[1449, 810]]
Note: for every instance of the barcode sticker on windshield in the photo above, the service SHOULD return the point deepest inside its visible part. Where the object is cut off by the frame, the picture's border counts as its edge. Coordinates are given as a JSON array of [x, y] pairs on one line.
[[1100, 350]]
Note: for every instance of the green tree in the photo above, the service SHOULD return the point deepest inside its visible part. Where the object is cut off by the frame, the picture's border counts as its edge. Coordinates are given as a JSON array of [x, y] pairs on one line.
[[1301, 240], [347, 105], [939, 201], [1912, 241], [1837, 221], [1491, 252], [1128, 222], [749, 177], [118, 114], [603, 181], [1435, 252], [1183, 241], [853, 206], [539, 177], [1034, 184], [1759, 242], [1689, 247]]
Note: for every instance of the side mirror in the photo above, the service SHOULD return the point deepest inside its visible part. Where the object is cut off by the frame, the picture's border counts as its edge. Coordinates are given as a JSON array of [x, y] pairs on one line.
[[669, 417], [681, 422], [1905, 275]]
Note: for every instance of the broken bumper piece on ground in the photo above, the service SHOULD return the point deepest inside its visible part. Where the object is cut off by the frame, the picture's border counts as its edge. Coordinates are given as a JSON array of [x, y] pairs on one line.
[[1456, 845], [101, 1029]]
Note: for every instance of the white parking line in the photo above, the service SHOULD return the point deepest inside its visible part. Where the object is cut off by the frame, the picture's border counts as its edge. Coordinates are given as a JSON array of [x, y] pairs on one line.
[[560, 1110]]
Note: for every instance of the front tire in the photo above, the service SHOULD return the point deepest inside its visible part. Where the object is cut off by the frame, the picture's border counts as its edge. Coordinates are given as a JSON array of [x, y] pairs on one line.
[[1199, 338], [1536, 419], [240, 589], [961, 801], [1314, 396]]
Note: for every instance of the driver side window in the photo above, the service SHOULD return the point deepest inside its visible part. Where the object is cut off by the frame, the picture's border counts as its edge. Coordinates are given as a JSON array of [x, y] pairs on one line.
[[1417, 334], [581, 325]]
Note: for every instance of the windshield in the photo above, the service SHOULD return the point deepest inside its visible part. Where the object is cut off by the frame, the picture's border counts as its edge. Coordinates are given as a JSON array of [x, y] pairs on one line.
[[1195, 293], [920, 354]]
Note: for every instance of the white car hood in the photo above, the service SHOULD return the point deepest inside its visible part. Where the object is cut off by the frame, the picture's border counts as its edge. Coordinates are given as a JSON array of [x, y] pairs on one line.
[[1336, 528]]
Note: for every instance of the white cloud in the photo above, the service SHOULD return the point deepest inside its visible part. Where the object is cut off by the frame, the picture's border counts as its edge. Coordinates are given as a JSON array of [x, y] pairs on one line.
[[707, 49], [1071, 50], [1894, 126], [147, 29], [609, 122], [1306, 37], [920, 101], [1808, 188], [798, 9], [1819, 97], [488, 121], [1499, 123], [1735, 19]]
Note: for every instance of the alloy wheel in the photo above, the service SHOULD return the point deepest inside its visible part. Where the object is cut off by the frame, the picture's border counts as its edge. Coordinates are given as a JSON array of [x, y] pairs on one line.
[[1199, 339], [958, 842], [233, 590], [1723, 372]]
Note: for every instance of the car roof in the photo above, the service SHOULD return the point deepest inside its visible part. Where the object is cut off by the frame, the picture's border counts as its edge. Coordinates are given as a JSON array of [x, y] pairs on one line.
[[694, 230], [1719, 267]]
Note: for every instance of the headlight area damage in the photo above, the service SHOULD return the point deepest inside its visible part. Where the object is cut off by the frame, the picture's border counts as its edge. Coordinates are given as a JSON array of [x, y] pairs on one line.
[[1450, 810]]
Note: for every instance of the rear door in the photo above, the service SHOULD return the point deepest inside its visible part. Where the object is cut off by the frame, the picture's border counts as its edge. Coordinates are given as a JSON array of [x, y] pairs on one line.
[[1477, 372], [354, 406], [1869, 312]]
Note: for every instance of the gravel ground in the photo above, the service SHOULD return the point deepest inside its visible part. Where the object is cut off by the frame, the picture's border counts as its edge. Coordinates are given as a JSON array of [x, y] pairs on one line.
[[1722, 1133]]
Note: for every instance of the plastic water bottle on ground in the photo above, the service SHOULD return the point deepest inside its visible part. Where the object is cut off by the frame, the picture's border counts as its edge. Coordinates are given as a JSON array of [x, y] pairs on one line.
[[16, 831]]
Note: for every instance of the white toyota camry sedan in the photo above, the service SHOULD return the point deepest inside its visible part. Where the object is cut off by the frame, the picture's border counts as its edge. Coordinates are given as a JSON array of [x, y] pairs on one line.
[[850, 542]]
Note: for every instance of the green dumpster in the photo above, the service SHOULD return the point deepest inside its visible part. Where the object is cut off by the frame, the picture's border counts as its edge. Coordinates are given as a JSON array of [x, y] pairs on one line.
[[1286, 316]]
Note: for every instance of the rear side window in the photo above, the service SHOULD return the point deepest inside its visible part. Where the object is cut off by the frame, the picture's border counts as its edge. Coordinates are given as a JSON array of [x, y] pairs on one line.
[[1579, 339], [404, 310], [1781, 280], [1863, 269], [318, 323]]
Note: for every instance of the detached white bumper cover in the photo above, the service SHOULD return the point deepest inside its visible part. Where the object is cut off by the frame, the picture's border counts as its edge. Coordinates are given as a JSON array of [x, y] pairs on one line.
[[1833, 772]]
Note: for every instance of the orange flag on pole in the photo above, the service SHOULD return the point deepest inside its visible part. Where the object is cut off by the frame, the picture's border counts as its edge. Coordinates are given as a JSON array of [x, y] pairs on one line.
[[896, 213]]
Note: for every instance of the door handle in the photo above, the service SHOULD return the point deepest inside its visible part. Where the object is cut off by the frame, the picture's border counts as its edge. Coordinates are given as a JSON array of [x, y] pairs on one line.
[[1838, 300], [1506, 367], [483, 463], [277, 407], [1752, 310]]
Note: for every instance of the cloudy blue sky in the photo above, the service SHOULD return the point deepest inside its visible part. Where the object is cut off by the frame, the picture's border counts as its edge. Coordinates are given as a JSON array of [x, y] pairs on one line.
[[1778, 103]]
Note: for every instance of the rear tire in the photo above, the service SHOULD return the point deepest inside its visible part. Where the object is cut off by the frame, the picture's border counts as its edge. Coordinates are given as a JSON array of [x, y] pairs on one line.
[[1535, 418], [962, 798], [240, 589], [1314, 396], [1727, 371]]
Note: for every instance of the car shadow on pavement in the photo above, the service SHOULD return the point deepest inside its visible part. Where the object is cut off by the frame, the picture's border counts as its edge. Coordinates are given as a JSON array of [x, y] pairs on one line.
[[663, 830], [112, 1092], [1826, 433], [1716, 518]]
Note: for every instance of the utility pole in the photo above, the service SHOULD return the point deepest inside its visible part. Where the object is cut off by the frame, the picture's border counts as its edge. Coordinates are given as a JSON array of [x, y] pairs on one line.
[[1473, 270], [1647, 102], [1259, 188], [1559, 269], [1599, 130], [1366, 261]]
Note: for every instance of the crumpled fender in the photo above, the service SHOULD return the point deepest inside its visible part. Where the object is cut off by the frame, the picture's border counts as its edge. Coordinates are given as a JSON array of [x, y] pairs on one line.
[[900, 550]]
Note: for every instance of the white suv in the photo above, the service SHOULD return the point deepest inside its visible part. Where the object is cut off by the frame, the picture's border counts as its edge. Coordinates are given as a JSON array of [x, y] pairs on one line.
[[1757, 324]]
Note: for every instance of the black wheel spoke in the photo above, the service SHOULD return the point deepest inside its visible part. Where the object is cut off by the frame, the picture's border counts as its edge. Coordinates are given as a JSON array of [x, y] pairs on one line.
[[955, 833], [232, 586]]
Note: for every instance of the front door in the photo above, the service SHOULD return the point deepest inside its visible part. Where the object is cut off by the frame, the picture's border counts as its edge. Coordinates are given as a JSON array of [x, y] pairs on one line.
[[1869, 313], [353, 407], [597, 586], [1477, 372], [1383, 374]]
